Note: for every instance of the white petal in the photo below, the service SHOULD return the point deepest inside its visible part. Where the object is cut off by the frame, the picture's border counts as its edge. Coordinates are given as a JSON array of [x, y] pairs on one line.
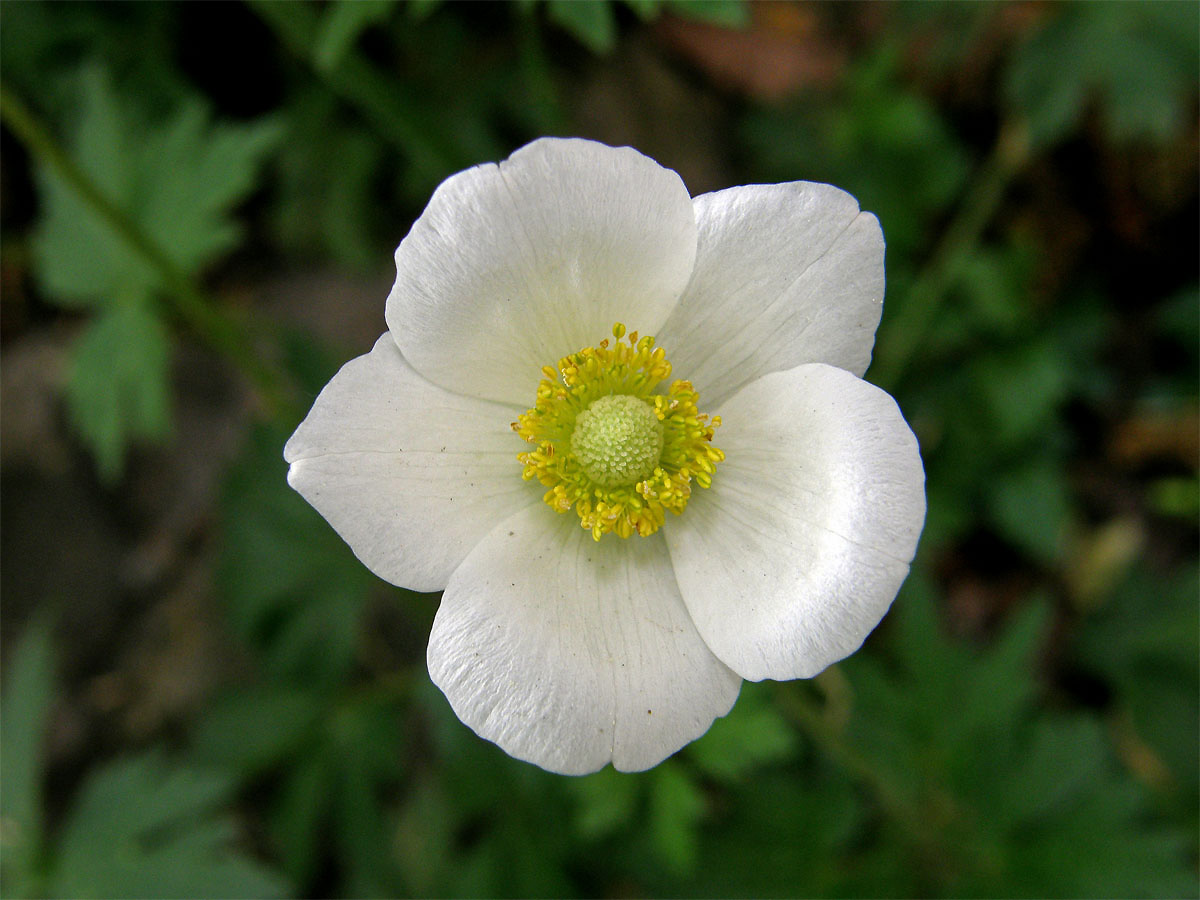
[[785, 274], [797, 550], [513, 266], [569, 653], [410, 475]]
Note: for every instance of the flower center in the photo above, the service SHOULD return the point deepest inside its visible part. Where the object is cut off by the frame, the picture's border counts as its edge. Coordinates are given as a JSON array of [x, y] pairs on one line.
[[612, 447], [617, 440]]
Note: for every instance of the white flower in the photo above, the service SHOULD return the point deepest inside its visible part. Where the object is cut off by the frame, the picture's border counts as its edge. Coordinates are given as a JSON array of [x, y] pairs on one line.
[[572, 647]]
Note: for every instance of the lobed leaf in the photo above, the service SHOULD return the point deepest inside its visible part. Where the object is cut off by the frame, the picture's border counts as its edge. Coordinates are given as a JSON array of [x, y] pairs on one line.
[[342, 23], [78, 258], [118, 388], [175, 182], [592, 22], [1130, 56], [1012, 799], [143, 828], [192, 172]]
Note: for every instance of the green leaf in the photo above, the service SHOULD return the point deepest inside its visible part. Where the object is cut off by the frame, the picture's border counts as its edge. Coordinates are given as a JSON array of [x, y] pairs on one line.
[[326, 197], [901, 716], [646, 10], [1177, 319], [592, 22], [1061, 760], [299, 811], [676, 808], [336, 781], [78, 258], [787, 833], [1179, 497], [142, 827], [24, 710], [293, 588], [192, 173], [993, 287], [424, 836], [252, 728], [427, 128], [1036, 84], [177, 179], [343, 22], [1031, 506], [1001, 687], [1131, 56], [365, 740], [1145, 640], [751, 735], [361, 829], [886, 144], [724, 13], [118, 389], [607, 802], [1012, 799], [1021, 388], [1072, 826]]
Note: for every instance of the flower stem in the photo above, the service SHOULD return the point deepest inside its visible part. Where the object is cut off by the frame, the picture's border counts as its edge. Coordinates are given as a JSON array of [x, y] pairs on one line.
[[386, 106], [797, 707], [825, 734], [184, 300], [1008, 156]]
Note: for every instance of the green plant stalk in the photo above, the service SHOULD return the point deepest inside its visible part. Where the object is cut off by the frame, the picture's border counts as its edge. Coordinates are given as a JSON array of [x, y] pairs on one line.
[[184, 300], [893, 802], [1008, 156], [810, 720], [383, 104]]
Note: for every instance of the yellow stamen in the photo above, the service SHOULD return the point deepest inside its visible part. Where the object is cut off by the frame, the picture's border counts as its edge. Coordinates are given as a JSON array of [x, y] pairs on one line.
[[610, 447]]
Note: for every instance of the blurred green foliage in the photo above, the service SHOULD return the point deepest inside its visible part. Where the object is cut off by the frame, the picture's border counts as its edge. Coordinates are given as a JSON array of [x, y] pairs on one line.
[[175, 182], [1024, 723], [144, 826], [1136, 59]]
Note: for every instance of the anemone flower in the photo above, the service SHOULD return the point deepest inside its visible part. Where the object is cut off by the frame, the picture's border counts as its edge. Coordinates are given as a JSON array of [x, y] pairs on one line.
[[618, 550]]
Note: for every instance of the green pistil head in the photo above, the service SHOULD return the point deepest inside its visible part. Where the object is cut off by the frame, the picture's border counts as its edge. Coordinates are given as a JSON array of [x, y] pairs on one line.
[[617, 440]]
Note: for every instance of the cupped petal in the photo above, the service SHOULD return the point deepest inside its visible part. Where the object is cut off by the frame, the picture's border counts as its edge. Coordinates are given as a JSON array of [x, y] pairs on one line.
[[785, 274], [797, 550], [410, 475], [513, 266], [571, 653]]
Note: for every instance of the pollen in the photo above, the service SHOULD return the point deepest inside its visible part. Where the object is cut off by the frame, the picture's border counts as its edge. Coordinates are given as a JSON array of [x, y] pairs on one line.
[[610, 444]]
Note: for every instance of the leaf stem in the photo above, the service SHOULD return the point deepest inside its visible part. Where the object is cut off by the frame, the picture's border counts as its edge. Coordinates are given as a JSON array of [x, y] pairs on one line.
[[214, 327], [893, 802], [1007, 157], [386, 105], [801, 711]]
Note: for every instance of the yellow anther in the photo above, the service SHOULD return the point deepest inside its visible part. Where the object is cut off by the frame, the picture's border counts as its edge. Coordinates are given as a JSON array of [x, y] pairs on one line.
[[636, 457]]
